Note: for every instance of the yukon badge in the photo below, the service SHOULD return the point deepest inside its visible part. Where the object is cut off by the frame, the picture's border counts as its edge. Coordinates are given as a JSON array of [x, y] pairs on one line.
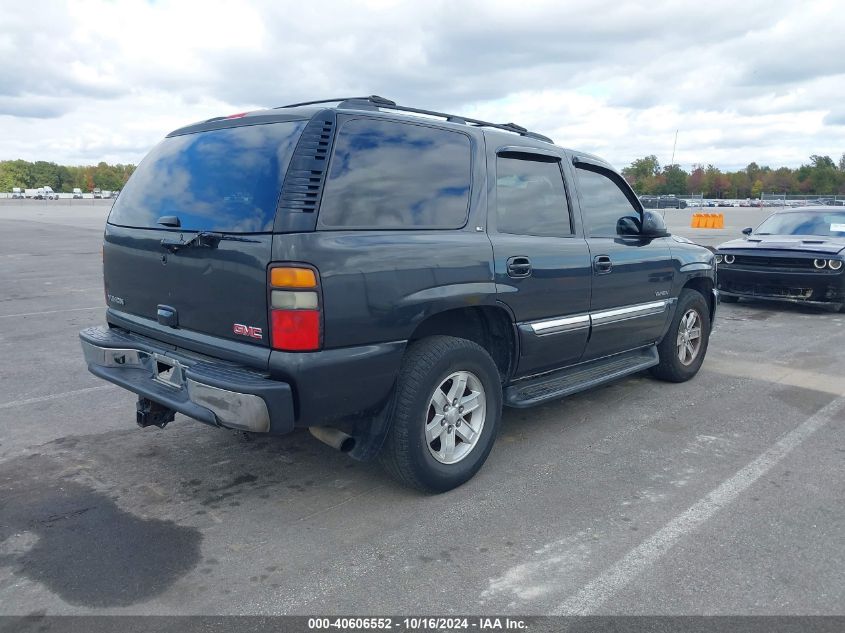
[[247, 330]]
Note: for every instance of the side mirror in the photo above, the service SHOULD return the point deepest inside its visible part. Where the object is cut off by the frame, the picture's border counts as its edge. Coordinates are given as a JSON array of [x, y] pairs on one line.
[[653, 225], [747, 231], [627, 226]]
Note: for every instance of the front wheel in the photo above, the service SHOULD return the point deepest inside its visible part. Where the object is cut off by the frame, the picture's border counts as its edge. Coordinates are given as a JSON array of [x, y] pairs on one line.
[[446, 414], [683, 348]]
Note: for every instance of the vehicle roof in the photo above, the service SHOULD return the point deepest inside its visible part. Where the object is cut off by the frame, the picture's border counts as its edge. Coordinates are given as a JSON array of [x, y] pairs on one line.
[[306, 112]]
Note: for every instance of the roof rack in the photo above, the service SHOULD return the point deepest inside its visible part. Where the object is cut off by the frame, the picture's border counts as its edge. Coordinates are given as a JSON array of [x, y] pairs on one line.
[[372, 99], [375, 102]]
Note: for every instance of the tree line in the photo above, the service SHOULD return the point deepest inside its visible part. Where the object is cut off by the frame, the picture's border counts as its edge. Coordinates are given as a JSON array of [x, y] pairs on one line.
[[821, 176], [63, 178]]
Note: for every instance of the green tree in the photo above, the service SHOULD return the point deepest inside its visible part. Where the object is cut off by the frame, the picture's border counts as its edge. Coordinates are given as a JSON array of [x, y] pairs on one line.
[[740, 184], [27, 175], [716, 184], [45, 174], [675, 180], [642, 174], [823, 175], [15, 173], [752, 170]]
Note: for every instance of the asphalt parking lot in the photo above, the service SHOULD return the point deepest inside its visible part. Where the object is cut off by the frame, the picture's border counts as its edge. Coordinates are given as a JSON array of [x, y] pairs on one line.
[[723, 495]]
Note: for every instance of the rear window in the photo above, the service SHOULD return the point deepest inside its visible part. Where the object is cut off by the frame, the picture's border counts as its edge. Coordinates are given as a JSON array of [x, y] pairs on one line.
[[389, 175], [223, 180]]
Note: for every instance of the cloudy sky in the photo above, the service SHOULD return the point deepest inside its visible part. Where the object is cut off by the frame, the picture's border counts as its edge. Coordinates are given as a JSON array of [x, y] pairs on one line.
[[98, 80]]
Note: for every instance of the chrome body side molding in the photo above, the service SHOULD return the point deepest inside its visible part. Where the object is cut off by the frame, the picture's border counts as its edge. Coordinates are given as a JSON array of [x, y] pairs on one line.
[[598, 318]]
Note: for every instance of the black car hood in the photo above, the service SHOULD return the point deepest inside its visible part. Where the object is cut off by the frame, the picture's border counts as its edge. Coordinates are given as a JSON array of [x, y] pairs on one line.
[[793, 243]]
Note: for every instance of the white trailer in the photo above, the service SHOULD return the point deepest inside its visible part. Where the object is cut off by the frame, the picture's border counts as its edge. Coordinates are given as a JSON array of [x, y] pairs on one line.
[[42, 193]]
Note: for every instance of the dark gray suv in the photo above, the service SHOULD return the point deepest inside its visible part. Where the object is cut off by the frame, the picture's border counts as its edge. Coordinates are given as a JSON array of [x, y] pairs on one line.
[[388, 277]]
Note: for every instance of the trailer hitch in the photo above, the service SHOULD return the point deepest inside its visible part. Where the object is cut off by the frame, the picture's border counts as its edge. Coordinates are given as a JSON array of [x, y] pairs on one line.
[[149, 413]]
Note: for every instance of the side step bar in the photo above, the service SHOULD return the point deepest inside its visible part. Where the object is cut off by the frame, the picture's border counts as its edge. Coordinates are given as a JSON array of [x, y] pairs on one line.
[[565, 382]]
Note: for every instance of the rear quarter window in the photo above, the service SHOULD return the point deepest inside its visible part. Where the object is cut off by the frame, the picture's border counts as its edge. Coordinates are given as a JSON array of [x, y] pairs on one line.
[[225, 180], [391, 175]]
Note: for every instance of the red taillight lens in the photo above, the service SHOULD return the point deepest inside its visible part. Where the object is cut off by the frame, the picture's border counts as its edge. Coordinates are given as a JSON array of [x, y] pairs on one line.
[[295, 318], [295, 330]]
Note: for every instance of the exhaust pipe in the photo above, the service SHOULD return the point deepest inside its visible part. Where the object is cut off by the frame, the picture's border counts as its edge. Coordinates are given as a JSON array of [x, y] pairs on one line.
[[333, 437]]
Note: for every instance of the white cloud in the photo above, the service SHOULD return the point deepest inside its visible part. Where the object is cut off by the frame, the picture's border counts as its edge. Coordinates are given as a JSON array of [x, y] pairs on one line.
[[94, 80]]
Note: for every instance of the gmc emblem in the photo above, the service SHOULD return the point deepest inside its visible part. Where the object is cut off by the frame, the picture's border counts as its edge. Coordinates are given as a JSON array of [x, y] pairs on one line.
[[247, 330]]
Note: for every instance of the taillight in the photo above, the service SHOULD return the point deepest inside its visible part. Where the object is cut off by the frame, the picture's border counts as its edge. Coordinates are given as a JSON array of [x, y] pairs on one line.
[[294, 309]]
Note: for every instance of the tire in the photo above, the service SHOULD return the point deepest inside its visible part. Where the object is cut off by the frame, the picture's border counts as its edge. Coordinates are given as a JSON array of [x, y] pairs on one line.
[[671, 368], [728, 299], [422, 461]]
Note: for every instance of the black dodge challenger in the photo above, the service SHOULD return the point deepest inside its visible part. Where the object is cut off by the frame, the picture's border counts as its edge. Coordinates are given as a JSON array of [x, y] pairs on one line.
[[795, 255]]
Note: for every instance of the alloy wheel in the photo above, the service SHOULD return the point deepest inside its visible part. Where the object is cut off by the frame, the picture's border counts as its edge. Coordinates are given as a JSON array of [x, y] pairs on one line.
[[455, 417]]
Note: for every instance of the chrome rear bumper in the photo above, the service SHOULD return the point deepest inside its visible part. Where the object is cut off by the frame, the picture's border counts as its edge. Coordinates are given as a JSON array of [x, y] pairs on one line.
[[212, 391]]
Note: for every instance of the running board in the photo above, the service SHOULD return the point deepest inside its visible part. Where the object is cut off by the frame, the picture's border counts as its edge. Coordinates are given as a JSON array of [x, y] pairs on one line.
[[565, 382]]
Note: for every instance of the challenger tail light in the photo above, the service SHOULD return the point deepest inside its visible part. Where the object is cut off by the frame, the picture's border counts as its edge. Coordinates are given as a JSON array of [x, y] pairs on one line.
[[294, 309]]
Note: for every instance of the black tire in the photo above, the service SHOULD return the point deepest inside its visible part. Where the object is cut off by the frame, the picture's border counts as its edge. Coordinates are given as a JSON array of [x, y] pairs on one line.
[[670, 367], [425, 366], [728, 299]]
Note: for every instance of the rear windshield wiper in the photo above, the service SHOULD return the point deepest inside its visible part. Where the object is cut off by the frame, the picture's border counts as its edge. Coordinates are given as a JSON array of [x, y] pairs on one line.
[[203, 239]]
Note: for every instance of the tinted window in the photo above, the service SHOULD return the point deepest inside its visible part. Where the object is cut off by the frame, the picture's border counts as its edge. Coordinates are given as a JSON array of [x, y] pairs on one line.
[[530, 198], [822, 224], [385, 174], [223, 180], [603, 203]]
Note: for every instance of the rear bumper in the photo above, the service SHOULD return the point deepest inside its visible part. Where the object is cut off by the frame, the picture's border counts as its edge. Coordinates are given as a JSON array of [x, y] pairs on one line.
[[818, 288], [214, 392]]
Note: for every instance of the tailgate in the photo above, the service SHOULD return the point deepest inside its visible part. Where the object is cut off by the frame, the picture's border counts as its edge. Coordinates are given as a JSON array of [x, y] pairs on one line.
[[210, 290]]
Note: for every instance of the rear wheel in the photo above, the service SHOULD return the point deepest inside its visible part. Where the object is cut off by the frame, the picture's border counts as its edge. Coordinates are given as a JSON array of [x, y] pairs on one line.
[[683, 348], [446, 416]]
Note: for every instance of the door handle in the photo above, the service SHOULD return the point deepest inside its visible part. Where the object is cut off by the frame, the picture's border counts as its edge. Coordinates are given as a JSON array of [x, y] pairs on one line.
[[602, 264], [519, 267]]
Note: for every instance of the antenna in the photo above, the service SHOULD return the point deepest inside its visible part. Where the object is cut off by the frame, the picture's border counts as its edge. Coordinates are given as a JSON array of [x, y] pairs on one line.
[[671, 163], [673, 148]]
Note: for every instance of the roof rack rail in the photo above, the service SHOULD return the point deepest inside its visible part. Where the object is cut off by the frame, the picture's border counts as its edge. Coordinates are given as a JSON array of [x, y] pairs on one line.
[[372, 99], [375, 101]]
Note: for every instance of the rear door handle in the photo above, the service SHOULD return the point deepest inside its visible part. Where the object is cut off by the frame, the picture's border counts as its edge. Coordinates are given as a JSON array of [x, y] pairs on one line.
[[519, 267], [602, 264]]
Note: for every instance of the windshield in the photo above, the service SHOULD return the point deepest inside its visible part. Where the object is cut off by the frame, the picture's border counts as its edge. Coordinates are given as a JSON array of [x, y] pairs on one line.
[[810, 223], [223, 180]]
